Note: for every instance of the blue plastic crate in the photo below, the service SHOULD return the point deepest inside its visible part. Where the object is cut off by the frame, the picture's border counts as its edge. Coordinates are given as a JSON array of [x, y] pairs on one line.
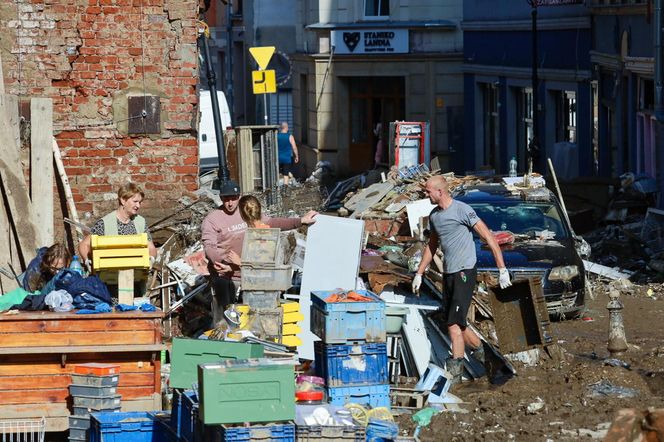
[[346, 365], [136, 426], [266, 432], [371, 395], [177, 416], [189, 417], [347, 322]]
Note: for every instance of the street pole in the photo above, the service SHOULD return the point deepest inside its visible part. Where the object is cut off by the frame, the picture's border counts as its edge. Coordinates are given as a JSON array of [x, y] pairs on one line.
[[265, 108], [533, 147], [229, 55], [216, 117]]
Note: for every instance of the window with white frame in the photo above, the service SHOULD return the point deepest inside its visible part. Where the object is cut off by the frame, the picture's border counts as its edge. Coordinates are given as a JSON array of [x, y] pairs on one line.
[[376, 8], [566, 116], [491, 127]]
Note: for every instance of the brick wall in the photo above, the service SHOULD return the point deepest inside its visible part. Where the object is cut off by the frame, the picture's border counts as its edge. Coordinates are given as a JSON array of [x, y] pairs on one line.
[[89, 56]]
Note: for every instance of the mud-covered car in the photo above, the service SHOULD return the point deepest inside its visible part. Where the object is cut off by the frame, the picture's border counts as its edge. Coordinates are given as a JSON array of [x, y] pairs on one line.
[[545, 244]]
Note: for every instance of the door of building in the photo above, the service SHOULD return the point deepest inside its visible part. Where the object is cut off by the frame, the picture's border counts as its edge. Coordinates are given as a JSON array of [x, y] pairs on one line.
[[373, 103]]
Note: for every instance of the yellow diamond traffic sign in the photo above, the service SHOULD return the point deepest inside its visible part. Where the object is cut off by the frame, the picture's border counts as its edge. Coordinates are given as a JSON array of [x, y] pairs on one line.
[[264, 82], [262, 55]]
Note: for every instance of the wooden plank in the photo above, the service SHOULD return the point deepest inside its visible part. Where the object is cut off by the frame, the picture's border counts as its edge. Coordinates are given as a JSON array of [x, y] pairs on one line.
[[55, 395], [63, 380], [41, 167], [76, 339], [126, 286], [140, 365], [31, 410], [13, 184], [76, 326], [81, 349], [8, 248], [72, 316]]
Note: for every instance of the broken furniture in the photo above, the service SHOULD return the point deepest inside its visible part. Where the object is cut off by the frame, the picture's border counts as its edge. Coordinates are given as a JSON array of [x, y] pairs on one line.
[[38, 352], [521, 316], [118, 256]]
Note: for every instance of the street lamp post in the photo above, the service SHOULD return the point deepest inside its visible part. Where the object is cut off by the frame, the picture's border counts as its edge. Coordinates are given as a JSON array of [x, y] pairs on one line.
[[533, 146]]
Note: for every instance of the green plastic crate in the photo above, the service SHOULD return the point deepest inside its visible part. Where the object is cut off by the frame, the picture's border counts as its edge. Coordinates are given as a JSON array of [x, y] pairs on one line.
[[186, 354], [254, 390]]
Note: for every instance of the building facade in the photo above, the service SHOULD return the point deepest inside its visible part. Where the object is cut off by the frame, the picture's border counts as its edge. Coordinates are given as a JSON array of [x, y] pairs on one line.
[[500, 116], [361, 63], [624, 67], [103, 64]]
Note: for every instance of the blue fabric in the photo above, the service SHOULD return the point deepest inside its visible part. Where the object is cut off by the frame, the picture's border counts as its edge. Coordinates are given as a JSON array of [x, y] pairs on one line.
[[285, 149], [75, 284], [101, 307], [125, 307], [148, 307], [33, 269]]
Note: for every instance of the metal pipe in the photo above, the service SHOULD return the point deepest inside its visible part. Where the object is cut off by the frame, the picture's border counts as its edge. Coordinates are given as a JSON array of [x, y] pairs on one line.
[[659, 63], [218, 130]]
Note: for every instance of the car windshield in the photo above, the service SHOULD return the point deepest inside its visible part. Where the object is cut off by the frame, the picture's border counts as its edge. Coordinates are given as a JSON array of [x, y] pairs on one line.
[[521, 217]]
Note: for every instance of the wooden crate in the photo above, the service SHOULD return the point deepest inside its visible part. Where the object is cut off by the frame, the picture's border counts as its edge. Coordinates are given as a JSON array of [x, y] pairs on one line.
[[38, 351]]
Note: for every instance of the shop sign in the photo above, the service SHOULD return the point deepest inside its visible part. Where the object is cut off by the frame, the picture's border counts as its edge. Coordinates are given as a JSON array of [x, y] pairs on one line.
[[370, 41], [558, 2]]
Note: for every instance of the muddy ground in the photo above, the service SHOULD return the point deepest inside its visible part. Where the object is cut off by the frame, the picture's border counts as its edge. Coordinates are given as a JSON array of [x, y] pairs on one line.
[[570, 412]]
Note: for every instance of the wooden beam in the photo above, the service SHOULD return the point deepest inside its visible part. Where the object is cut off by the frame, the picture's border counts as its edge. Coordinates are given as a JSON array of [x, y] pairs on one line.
[[12, 182], [126, 286], [83, 349], [41, 167]]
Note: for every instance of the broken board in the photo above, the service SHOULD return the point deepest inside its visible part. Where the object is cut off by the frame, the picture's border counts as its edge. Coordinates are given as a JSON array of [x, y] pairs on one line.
[[331, 261], [367, 198], [520, 316]]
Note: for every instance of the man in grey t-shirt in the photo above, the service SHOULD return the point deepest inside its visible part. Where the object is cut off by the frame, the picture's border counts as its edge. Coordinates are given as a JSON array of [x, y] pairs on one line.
[[452, 223]]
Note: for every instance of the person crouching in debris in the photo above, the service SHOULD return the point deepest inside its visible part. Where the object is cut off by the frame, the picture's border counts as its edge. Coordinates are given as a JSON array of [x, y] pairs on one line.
[[124, 220], [452, 222], [45, 266], [222, 233]]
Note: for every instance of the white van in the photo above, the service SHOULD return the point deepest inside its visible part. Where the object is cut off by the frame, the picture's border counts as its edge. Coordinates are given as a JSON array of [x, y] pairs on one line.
[[207, 141]]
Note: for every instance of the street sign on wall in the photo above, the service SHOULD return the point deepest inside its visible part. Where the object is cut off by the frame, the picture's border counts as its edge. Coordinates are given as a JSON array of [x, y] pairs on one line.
[[370, 41]]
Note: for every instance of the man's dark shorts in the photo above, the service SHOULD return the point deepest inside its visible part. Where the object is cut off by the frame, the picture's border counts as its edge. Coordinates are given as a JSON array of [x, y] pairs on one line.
[[285, 168], [458, 289]]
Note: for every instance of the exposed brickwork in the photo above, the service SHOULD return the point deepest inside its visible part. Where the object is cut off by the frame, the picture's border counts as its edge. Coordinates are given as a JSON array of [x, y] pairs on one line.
[[88, 55]]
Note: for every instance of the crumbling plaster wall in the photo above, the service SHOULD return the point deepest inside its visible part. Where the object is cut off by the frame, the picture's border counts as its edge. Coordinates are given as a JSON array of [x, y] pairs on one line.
[[88, 56]]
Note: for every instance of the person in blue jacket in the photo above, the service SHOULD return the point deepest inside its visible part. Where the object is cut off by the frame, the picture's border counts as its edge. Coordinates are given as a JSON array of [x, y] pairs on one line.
[[287, 152]]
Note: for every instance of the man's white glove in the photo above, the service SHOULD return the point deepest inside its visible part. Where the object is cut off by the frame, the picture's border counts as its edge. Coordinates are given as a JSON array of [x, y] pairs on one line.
[[417, 282], [504, 278]]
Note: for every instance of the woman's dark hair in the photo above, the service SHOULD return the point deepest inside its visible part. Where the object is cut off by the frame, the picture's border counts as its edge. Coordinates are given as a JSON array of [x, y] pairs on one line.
[[46, 270]]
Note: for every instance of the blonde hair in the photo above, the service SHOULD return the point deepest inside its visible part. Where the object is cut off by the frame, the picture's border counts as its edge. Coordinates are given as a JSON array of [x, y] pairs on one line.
[[250, 209], [128, 190]]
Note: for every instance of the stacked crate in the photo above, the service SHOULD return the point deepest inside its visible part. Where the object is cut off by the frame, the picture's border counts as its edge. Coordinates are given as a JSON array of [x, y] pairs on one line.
[[264, 279], [186, 355], [352, 354], [250, 399], [93, 389]]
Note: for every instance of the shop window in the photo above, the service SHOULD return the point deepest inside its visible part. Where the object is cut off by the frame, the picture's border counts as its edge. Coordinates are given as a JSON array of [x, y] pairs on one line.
[[376, 8], [491, 126]]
